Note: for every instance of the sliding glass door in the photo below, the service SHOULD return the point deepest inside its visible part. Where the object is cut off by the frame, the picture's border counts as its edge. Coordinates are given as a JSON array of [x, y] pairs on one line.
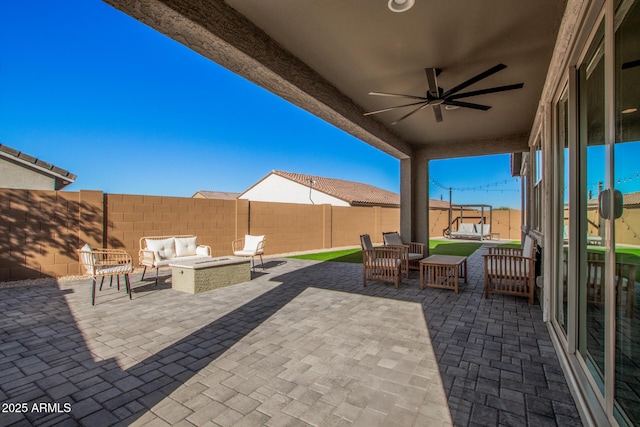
[[592, 321]]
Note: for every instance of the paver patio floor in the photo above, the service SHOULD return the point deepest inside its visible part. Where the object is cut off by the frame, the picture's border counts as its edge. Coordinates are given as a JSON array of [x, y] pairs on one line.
[[301, 344]]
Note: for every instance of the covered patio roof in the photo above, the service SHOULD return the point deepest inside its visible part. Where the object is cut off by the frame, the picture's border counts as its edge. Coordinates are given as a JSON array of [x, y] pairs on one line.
[[327, 56]]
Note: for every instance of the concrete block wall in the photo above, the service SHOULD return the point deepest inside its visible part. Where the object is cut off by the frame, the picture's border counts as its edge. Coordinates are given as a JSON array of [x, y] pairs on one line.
[[132, 217], [40, 232], [288, 227]]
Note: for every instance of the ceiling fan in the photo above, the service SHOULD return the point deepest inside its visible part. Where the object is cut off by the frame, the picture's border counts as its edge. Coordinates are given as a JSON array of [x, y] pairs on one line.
[[436, 96]]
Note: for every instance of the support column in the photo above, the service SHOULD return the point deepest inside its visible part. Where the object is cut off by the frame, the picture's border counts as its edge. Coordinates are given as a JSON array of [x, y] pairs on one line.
[[414, 197]]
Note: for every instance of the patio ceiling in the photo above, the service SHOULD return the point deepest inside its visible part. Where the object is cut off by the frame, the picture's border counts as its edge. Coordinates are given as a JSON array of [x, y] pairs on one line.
[[326, 56]]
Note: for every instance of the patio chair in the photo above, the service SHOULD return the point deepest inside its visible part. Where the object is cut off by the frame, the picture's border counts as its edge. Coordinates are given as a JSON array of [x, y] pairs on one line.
[[511, 271], [249, 246], [380, 263], [106, 263], [412, 252]]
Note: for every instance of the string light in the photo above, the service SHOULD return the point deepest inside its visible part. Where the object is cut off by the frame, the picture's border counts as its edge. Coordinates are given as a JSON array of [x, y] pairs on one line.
[[484, 187]]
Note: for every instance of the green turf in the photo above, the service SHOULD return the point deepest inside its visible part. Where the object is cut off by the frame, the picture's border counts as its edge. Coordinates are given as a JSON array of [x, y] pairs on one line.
[[436, 247], [348, 255]]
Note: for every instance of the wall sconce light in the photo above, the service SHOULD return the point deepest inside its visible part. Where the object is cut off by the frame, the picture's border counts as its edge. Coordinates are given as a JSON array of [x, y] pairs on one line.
[[401, 5]]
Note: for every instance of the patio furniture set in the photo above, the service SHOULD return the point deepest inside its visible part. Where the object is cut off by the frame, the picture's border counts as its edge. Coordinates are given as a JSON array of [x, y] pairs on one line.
[[508, 271], [193, 268]]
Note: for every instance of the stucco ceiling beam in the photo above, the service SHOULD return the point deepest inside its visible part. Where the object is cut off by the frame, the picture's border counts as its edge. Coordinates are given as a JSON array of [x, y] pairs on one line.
[[477, 147]]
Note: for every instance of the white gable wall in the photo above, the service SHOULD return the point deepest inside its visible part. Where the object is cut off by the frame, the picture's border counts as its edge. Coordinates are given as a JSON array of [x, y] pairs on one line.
[[275, 188]]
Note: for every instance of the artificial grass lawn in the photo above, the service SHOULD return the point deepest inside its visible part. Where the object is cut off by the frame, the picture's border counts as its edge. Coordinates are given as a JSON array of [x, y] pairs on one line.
[[436, 247]]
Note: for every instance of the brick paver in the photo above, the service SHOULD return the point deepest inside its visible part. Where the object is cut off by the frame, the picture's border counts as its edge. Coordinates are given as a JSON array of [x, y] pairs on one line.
[[301, 344]]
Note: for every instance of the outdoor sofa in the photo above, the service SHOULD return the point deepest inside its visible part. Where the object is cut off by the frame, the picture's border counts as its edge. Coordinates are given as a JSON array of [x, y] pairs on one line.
[[160, 251]]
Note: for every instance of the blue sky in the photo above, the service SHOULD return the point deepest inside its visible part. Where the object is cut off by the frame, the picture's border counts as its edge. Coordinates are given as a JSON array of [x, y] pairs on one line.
[[129, 110]]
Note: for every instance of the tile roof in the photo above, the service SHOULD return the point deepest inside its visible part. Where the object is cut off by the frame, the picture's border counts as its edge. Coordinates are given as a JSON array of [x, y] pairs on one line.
[[355, 193], [632, 199], [217, 195], [629, 199]]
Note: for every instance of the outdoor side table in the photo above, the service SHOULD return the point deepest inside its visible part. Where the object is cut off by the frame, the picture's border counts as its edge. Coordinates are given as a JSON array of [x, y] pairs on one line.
[[443, 271]]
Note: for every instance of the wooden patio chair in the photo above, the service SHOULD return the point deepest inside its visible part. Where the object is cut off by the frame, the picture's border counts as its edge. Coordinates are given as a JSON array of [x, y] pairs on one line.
[[625, 282], [511, 271], [412, 252], [382, 264], [101, 263]]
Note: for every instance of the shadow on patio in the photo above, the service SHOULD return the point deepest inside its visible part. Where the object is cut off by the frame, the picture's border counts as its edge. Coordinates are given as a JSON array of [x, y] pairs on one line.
[[303, 343]]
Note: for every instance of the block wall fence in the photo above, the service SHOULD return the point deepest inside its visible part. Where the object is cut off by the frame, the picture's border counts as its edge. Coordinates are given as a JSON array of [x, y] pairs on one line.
[[40, 231]]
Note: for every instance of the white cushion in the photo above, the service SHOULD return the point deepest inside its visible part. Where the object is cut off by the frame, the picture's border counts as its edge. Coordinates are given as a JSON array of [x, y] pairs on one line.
[[86, 257], [185, 246], [414, 257], [251, 244], [203, 251], [467, 228], [483, 229], [527, 249], [508, 268], [163, 249]]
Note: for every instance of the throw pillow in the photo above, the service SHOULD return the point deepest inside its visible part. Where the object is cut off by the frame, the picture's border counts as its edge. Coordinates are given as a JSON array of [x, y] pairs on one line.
[[186, 246], [162, 248]]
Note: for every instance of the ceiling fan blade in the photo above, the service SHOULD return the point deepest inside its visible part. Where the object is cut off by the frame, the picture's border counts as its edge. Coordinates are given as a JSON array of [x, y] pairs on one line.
[[475, 79], [437, 111], [410, 113], [485, 91], [397, 95], [393, 108], [432, 80], [466, 105]]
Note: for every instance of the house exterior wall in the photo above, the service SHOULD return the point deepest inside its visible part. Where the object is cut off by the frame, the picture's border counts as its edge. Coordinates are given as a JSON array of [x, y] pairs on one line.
[[19, 177], [275, 188]]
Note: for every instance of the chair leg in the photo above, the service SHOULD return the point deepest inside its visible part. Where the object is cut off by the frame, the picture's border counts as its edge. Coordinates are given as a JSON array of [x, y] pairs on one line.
[[101, 282], [127, 284], [156, 276], [144, 271], [110, 281], [118, 281], [262, 262], [93, 291]]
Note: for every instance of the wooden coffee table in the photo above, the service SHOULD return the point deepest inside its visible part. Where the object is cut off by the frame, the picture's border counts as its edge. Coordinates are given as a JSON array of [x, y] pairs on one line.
[[443, 271]]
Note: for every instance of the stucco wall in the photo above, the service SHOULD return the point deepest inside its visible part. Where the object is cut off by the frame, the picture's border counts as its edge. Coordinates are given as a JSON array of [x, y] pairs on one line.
[[18, 177]]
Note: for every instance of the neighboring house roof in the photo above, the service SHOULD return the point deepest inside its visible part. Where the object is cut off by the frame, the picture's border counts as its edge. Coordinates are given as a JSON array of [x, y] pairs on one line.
[[354, 193], [216, 195], [438, 204], [63, 177], [631, 199]]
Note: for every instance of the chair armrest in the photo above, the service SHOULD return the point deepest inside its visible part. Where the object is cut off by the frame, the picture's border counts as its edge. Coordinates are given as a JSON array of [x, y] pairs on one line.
[[147, 258], [237, 245], [204, 248], [416, 248], [403, 250], [382, 252], [260, 247]]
